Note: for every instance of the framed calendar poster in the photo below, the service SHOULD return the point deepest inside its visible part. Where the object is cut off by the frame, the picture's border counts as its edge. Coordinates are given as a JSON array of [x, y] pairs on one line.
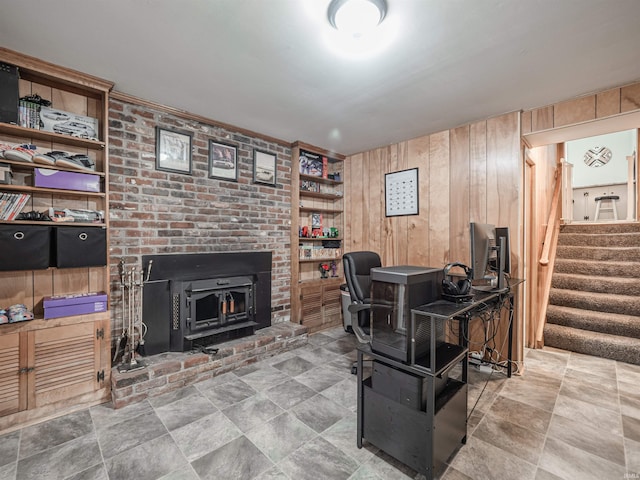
[[401, 193]]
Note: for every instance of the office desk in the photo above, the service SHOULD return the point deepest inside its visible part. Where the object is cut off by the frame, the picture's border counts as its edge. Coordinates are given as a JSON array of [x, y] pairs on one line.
[[443, 310], [417, 411]]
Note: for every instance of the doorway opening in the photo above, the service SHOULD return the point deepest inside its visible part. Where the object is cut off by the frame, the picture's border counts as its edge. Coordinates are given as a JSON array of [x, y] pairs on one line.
[[603, 177]]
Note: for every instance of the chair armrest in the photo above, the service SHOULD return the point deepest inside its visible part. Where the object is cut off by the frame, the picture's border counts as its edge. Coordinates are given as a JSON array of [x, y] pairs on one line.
[[360, 334], [358, 307]]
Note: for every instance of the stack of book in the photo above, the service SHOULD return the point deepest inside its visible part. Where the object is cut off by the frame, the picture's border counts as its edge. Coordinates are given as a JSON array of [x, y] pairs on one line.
[[11, 204], [29, 114]]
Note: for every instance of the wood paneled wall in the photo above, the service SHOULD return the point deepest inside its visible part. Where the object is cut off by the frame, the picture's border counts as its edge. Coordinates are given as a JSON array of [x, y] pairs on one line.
[[472, 173], [582, 109], [542, 164]]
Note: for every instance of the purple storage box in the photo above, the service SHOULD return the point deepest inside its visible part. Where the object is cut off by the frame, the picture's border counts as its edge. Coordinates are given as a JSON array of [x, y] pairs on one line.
[[85, 182], [74, 304]]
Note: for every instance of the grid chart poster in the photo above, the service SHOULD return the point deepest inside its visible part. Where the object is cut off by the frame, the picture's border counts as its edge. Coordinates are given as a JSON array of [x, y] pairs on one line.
[[401, 193]]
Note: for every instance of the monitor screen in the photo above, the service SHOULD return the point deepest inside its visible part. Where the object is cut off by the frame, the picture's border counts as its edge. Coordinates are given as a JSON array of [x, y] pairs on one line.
[[503, 232], [490, 255], [483, 240]]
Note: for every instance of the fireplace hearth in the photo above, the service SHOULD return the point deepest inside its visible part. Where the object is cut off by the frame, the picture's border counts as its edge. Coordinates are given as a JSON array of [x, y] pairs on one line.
[[193, 301]]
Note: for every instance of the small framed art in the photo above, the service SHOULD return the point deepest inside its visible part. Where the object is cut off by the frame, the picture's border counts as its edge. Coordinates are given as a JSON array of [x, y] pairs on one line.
[[264, 167], [401, 193], [223, 161], [173, 150]]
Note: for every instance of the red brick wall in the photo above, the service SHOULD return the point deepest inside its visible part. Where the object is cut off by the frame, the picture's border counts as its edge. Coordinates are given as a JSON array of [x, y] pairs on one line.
[[155, 212]]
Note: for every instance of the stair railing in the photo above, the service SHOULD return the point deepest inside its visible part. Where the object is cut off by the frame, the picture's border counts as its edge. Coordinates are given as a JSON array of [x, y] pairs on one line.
[[631, 186], [548, 255]]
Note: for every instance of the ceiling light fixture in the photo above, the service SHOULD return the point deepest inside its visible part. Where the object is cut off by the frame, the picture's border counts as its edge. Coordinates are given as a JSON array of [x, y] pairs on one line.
[[356, 17]]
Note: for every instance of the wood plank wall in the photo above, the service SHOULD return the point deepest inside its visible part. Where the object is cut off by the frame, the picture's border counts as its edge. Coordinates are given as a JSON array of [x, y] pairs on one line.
[[472, 173], [599, 105], [541, 166]]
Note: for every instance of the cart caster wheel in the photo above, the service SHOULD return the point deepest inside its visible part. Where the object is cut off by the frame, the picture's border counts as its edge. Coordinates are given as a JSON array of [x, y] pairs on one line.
[[354, 370]]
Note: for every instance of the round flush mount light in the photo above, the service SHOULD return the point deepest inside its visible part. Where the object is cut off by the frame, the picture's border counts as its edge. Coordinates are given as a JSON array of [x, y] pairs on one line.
[[356, 17]]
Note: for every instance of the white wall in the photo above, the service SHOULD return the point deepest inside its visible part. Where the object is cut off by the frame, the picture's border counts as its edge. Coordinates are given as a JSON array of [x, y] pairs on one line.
[[621, 144]]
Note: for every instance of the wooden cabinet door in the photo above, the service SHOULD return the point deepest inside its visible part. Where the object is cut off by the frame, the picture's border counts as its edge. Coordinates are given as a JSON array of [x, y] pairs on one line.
[[311, 302], [11, 379], [332, 307], [65, 363]]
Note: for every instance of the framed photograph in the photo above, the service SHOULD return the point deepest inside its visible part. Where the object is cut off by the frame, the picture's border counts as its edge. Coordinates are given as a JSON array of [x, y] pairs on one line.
[[401, 193], [173, 150], [223, 161], [264, 167]]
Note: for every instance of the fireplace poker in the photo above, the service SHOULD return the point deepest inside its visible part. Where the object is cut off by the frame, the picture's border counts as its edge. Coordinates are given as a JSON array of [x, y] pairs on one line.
[[139, 323], [123, 340], [132, 314]]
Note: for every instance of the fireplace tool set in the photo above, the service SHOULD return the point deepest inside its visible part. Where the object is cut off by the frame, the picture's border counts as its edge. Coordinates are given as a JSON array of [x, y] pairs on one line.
[[131, 342]]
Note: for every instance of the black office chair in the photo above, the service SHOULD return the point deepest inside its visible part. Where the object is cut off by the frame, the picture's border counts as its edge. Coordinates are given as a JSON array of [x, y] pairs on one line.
[[357, 272]]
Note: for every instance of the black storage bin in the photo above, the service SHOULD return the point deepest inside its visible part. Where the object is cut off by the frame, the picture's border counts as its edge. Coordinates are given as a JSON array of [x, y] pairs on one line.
[[24, 247], [80, 247]]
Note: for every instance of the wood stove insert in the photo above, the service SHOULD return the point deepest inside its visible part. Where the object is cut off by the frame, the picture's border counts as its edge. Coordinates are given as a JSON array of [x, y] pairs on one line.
[[192, 301]]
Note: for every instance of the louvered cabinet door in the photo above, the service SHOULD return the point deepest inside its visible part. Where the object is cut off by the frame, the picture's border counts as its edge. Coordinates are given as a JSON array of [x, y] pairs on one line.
[[311, 303], [12, 380], [331, 305], [65, 363]]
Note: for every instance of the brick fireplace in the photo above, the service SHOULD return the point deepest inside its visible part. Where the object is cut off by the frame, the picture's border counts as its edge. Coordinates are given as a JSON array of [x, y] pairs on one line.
[[157, 213], [161, 213], [195, 300]]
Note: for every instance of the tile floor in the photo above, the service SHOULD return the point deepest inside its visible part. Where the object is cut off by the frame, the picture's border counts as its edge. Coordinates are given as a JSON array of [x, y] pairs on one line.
[[293, 417]]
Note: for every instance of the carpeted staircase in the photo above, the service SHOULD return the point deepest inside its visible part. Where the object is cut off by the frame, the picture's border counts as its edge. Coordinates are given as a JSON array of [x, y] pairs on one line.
[[594, 303]]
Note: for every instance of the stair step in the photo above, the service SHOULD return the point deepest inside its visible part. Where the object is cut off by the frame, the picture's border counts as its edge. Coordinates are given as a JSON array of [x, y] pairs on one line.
[[598, 269], [623, 349], [599, 302], [600, 239], [609, 323], [628, 254], [601, 228], [598, 284]]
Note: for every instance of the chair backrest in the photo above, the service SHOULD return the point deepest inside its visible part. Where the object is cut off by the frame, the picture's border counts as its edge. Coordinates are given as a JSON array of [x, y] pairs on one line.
[[357, 272]]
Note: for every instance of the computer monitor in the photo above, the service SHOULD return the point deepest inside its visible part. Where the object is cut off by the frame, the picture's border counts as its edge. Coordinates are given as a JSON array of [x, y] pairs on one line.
[[489, 255], [503, 232]]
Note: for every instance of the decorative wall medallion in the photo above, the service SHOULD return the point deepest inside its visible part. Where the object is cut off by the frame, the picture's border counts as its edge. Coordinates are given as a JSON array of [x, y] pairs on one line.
[[597, 156]]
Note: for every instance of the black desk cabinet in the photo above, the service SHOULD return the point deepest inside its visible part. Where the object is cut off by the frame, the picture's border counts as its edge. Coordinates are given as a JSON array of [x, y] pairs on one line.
[[422, 440], [417, 411]]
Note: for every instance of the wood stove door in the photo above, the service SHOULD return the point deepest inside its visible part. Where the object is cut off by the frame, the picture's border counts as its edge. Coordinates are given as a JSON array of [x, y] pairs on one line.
[[217, 308], [237, 305]]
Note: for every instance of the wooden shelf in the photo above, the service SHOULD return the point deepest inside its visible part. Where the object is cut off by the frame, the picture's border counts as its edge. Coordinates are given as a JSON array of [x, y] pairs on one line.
[[39, 322], [33, 166], [17, 131], [327, 196], [328, 259], [316, 301], [327, 181], [319, 210], [317, 239], [45, 388], [27, 189], [321, 281], [52, 223]]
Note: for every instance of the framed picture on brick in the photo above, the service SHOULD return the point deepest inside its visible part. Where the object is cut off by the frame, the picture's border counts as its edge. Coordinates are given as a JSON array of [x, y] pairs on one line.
[[223, 161], [173, 150], [264, 167]]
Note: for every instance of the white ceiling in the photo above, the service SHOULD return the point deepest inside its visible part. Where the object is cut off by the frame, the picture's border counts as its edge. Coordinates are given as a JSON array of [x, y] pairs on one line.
[[265, 65]]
